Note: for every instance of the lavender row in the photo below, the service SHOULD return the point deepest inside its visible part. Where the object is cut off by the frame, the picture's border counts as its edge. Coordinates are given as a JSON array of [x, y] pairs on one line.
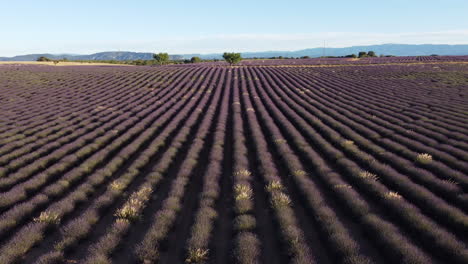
[[412, 218], [67, 205]]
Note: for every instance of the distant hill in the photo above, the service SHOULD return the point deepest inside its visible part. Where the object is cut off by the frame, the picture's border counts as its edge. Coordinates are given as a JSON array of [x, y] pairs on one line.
[[110, 55], [386, 49]]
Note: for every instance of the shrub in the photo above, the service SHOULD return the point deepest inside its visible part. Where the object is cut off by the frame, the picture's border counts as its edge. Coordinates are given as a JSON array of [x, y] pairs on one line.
[[247, 248], [362, 54], [243, 206], [42, 58], [195, 60], [245, 222], [51, 257]]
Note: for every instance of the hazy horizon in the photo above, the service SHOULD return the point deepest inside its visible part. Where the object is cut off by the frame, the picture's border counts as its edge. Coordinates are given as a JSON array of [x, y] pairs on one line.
[[208, 53]]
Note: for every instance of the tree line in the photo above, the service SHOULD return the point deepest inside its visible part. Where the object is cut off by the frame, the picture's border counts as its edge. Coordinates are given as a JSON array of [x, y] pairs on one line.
[[232, 58], [161, 58]]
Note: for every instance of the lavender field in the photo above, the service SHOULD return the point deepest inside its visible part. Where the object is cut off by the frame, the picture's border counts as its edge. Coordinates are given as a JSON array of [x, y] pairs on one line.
[[274, 161]]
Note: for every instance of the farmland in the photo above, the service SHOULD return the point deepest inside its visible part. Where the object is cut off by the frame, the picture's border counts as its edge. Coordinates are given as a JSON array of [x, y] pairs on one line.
[[274, 161]]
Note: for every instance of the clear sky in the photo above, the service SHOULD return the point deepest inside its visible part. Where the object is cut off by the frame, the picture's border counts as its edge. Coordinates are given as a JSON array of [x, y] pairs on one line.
[[205, 26]]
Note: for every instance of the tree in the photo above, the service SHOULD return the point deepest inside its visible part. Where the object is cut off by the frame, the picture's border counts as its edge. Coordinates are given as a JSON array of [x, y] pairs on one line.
[[232, 58], [56, 62], [371, 54], [362, 54], [161, 58], [42, 58], [138, 62], [195, 59]]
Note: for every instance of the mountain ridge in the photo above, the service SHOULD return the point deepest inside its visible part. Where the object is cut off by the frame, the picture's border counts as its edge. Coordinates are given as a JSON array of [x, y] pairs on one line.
[[385, 49]]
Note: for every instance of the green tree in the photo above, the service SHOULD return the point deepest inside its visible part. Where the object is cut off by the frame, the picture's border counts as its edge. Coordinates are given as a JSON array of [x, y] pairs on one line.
[[232, 57], [42, 58], [195, 59], [371, 54], [138, 62], [161, 58], [362, 54]]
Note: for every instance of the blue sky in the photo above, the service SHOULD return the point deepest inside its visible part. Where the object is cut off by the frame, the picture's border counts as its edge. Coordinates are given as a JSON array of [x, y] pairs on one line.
[[204, 26]]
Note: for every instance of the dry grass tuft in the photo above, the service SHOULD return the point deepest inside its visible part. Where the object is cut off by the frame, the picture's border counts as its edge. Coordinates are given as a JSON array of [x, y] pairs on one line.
[[197, 255], [280, 199], [130, 211], [244, 173], [349, 145], [299, 173], [48, 217], [117, 186], [242, 192], [424, 158], [280, 141], [340, 186], [368, 175], [392, 195], [274, 185], [451, 181]]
